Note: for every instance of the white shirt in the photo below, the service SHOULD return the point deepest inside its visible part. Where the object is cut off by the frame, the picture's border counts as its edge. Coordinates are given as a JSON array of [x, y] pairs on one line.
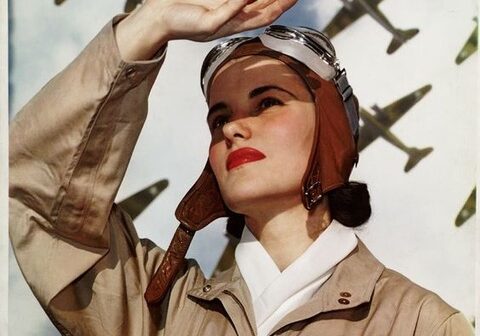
[[274, 293]]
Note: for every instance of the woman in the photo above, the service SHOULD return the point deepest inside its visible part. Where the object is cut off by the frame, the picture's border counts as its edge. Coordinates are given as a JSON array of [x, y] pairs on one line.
[[272, 135]]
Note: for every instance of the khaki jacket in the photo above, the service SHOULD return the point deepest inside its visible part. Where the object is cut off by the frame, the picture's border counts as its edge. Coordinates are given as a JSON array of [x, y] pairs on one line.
[[80, 253]]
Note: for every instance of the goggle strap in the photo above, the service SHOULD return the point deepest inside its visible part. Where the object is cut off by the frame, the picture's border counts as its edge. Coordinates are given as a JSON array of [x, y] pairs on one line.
[[345, 90]]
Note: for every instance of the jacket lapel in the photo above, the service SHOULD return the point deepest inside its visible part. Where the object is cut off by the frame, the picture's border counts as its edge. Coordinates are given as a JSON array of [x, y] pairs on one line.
[[351, 285]]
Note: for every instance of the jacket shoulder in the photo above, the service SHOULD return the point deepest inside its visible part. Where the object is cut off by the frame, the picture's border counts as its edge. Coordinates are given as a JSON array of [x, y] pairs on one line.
[[406, 289], [408, 293], [432, 315]]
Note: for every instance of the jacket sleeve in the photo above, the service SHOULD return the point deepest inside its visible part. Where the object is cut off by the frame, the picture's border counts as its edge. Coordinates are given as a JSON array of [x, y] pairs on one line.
[[69, 149], [455, 325]]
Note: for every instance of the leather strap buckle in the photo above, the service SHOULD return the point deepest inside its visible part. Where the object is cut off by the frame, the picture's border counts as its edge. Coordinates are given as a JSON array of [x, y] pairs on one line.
[[313, 194]]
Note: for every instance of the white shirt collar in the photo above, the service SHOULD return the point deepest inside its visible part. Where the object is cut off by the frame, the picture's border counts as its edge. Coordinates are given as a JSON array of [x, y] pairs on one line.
[[276, 293]]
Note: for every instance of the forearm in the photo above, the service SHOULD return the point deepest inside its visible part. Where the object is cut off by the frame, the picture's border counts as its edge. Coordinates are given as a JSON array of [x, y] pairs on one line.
[[69, 149], [70, 145], [140, 35]]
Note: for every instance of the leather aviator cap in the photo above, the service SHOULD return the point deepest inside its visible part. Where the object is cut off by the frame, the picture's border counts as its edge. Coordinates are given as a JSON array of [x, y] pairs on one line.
[[332, 157]]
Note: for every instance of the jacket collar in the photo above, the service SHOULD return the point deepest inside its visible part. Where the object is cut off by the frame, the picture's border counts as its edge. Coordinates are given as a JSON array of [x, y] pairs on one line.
[[351, 284]]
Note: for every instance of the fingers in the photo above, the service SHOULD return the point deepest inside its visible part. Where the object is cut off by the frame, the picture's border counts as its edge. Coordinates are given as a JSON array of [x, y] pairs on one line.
[[285, 4], [262, 13], [234, 16], [218, 17], [269, 6]]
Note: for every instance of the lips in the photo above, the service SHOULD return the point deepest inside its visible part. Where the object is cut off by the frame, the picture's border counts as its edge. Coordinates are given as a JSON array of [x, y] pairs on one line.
[[243, 155]]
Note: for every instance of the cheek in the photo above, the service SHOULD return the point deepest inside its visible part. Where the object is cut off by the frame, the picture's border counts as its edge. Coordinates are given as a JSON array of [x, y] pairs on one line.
[[296, 130], [215, 159]]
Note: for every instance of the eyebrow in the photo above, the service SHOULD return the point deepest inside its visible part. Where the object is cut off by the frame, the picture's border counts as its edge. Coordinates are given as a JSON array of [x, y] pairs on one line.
[[258, 91], [215, 108], [254, 93]]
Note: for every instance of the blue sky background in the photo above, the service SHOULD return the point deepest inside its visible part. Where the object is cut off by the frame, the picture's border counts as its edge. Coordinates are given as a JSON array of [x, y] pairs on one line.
[[411, 229]]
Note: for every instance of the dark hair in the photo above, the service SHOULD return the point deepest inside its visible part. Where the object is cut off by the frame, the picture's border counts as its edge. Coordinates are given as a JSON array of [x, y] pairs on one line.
[[349, 205]]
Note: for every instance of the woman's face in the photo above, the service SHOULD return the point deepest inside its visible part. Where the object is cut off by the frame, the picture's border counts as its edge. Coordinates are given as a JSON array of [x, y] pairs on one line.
[[262, 117]]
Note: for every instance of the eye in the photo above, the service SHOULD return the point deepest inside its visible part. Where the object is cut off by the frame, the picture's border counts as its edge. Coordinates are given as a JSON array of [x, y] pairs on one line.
[[218, 122], [268, 102]]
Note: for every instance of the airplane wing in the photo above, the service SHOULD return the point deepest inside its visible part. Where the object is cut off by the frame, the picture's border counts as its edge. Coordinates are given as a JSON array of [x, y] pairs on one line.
[[130, 5], [470, 46], [368, 132], [468, 209], [387, 116], [135, 204], [351, 11], [343, 19]]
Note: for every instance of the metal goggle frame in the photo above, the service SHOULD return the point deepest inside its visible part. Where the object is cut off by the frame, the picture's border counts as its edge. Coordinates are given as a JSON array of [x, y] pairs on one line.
[[307, 46]]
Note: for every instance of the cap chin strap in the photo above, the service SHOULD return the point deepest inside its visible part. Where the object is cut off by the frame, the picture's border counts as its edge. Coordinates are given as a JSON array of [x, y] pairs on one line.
[[201, 205]]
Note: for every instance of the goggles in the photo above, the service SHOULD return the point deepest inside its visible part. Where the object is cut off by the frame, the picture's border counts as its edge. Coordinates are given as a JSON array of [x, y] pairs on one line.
[[305, 45]]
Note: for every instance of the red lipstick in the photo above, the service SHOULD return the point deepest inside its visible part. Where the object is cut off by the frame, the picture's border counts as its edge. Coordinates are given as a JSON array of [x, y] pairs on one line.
[[243, 155]]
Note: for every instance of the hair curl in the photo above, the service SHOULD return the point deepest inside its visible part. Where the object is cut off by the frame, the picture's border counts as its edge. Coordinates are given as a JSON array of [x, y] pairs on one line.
[[350, 204]]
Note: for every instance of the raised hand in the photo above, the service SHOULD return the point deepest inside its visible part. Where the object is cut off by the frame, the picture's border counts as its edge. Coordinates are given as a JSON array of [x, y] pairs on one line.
[[141, 34]]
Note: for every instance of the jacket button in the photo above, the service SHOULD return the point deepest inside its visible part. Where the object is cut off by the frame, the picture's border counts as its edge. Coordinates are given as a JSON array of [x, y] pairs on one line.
[[343, 301], [207, 288], [345, 294]]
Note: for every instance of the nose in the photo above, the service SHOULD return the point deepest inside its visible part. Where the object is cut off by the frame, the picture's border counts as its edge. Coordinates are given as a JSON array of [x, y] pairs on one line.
[[236, 130]]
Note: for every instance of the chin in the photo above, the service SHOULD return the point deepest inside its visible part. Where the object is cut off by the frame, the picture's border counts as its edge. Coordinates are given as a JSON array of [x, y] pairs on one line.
[[246, 203], [239, 202], [243, 196]]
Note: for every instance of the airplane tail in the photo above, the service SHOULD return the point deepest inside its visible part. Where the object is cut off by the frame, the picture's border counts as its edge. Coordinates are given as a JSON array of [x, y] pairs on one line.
[[415, 155], [400, 38]]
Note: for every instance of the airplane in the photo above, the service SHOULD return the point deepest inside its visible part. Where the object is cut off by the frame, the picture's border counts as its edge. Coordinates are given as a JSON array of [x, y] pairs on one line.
[[470, 46], [379, 122], [354, 9], [468, 209], [130, 5], [136, 203]]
